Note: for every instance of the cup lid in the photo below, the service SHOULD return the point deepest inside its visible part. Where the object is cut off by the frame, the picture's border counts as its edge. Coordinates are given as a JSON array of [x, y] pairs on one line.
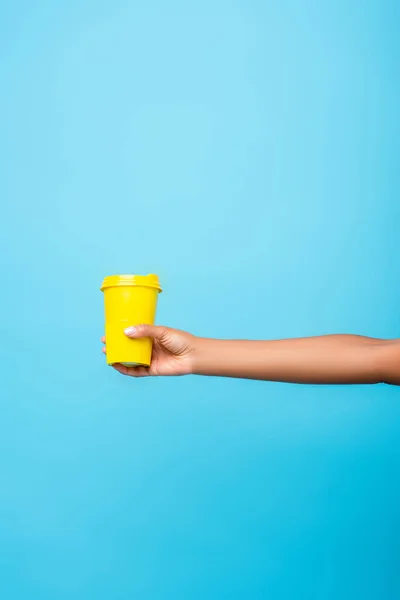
[[151, 281]]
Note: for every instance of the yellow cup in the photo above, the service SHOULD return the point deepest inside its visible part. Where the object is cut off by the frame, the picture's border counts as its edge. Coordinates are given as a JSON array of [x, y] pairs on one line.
[[129, 300]]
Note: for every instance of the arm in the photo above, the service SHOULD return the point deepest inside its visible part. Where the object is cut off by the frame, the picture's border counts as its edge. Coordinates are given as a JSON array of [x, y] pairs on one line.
[[331, 359]]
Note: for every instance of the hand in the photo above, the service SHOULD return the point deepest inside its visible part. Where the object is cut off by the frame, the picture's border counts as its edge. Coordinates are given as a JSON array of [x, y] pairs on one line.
[[173, 351]]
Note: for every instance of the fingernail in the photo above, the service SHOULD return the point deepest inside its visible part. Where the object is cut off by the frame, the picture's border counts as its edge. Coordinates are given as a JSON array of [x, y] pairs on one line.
[[130, 331]]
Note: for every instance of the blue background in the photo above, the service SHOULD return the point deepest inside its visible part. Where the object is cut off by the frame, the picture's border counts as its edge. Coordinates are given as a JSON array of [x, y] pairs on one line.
[[247, 152]]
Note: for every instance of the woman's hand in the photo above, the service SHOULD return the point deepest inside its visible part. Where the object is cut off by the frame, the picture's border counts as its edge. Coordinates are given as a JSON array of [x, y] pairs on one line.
[[331, 359], [173, 351]]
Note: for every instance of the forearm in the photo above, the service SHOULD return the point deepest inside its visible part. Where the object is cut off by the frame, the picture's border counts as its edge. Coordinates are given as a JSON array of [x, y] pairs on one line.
[[337, 359]]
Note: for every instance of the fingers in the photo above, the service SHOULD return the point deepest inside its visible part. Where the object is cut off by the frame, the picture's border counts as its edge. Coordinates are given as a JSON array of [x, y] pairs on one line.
[[131, 371], [139, 331]]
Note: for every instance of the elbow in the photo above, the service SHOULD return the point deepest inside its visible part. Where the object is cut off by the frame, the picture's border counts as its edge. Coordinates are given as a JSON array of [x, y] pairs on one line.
[[388, 362]]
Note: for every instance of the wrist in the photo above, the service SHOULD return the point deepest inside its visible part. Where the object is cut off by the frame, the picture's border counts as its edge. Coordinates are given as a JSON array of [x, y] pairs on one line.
[[200, 353]]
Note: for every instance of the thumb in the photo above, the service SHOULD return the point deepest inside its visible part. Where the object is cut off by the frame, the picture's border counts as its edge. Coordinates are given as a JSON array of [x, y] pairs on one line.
[[139, 331]]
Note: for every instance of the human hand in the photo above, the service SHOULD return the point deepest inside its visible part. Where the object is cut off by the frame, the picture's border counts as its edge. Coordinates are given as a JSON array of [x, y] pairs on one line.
[[173, 351]]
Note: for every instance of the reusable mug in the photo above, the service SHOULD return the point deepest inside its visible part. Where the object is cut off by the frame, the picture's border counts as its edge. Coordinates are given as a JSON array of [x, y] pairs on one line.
[[129, 300]]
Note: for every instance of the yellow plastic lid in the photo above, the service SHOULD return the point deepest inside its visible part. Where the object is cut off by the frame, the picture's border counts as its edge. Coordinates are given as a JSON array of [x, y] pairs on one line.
[[151, 281]]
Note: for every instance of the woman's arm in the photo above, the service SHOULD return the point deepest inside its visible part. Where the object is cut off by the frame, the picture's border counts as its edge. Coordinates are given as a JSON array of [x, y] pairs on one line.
[[330, 359], [325, 359]]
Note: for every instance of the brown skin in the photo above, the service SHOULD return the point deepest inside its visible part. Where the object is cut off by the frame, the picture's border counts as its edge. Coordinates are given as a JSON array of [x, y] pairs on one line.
[[330, 359]]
